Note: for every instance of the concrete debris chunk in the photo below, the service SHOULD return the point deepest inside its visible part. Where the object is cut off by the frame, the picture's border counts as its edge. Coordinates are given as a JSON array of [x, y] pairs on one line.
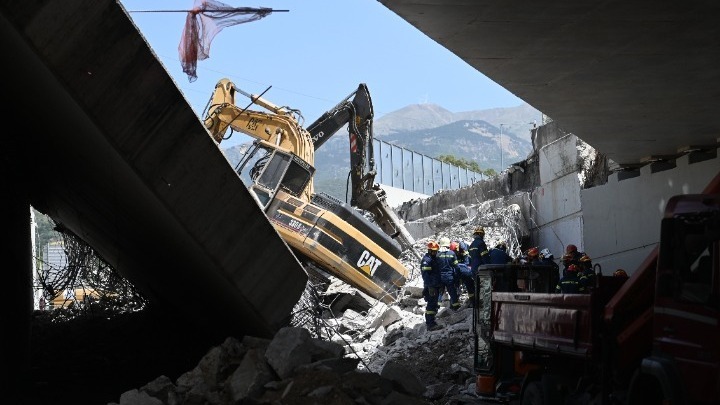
[[390, 316], [250, 377], [405, 379], [288, 350], [135, 397]]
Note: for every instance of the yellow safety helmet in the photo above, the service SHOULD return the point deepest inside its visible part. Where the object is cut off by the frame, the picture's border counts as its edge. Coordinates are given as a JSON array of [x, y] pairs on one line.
[[445, 242]]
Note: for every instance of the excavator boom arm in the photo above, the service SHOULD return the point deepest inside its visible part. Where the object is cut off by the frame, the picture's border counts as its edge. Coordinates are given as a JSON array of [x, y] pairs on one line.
[[279, 127]]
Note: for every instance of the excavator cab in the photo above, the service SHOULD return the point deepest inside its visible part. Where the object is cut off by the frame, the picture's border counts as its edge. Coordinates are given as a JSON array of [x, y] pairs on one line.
[[274, 169]]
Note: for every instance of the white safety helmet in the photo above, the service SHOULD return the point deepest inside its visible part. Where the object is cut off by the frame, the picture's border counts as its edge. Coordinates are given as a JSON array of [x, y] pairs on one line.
[[445, 242], [546, 253]]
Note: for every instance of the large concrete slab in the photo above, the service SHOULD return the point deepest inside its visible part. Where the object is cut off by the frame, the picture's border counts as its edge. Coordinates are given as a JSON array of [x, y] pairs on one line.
[[632, 78], [117, 156]]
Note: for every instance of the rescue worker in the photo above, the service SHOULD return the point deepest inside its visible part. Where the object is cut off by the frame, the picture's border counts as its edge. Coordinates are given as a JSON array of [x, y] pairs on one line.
[[586, 267], [499, 255], [466, 275], [501, 277], [548, 259], [571, 256], [572, 283], [532, 256], [448, 264], [431, 284], [478, 250]]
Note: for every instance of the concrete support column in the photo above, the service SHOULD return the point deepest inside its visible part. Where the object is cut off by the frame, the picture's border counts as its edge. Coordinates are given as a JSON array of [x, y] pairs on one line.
[[16, 273]]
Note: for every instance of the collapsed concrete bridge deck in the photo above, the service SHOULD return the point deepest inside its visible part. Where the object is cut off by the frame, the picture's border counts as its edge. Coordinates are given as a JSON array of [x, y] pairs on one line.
[[106, 145]]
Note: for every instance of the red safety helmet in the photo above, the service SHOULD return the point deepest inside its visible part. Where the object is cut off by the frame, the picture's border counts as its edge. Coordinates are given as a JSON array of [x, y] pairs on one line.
[[533, 252], [572, 267], [571, 248], [432, 245], [454, 246]]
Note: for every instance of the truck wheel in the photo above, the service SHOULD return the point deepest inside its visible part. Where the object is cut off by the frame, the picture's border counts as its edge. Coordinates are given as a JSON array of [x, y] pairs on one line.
[[533, 394]]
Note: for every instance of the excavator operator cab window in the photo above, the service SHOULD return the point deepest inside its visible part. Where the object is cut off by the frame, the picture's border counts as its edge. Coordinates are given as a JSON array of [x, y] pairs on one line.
[[298, 175], [273, 171], [286, 171], [279, 170]]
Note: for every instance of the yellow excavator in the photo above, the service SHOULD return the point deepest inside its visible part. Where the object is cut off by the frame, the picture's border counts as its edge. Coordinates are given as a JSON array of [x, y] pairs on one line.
[[320, 229]]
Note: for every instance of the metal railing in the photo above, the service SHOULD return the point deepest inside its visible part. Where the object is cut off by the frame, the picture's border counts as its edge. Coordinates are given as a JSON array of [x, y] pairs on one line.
[[402, 168]]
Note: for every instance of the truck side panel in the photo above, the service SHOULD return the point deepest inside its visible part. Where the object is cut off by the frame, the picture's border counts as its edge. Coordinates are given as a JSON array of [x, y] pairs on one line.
[[555, 323]]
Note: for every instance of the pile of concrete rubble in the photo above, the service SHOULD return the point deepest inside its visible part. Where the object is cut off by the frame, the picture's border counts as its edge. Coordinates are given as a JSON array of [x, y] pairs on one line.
[[353, 362], [355, 350]]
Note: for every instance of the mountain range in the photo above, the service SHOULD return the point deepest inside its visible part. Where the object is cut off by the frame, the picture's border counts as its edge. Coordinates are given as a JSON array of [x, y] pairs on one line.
[[431, 130]]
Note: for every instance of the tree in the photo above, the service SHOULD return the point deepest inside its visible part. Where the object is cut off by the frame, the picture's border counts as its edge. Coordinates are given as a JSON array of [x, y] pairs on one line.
[[466, 164]]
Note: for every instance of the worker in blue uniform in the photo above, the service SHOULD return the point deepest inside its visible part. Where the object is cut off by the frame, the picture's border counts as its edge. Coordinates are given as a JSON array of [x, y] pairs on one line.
[[448, 264], [572, 283], [467, 277], [571, 256], [431, 284], [499, 255], [587, 271], [548, 259], [478, 250]]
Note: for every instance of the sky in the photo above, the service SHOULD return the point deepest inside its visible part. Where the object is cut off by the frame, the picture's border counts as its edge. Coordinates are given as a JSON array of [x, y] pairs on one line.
[[315, 54]]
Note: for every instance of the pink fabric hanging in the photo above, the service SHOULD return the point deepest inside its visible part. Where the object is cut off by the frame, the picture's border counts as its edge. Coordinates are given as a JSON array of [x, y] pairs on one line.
[[204, 21]]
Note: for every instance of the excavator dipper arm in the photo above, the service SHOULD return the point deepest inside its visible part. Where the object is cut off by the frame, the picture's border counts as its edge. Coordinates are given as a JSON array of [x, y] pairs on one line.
[[356, 111]]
